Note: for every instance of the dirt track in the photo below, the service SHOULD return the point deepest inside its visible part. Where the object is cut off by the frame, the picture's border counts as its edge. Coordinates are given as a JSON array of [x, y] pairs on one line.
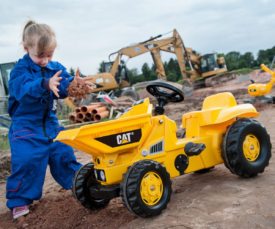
[[217, 199]]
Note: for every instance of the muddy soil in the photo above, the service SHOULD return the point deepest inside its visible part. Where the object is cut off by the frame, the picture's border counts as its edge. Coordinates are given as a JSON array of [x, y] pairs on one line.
[[78, 90], [217, 199], [5, 166]]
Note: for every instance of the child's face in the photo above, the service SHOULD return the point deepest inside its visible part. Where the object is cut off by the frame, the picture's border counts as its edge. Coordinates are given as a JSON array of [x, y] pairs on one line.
[[42, 60]]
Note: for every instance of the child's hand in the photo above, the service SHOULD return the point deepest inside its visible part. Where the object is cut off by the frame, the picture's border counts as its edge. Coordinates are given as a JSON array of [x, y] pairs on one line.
[[82, 81], [54, 82]]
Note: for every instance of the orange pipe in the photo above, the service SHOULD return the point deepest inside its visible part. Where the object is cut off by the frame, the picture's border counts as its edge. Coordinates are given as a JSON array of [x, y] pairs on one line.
[[77, 110], [88, 115], [80, 116], [98, 110], [72, 118], [101, 115], [86, 109], [92, 118]]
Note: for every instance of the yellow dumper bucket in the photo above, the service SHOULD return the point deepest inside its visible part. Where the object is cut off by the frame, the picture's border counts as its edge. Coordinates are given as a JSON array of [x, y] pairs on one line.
[[129, 131]]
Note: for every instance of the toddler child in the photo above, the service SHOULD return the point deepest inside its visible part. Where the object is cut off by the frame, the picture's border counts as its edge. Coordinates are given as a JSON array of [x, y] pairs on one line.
[[35, 85]]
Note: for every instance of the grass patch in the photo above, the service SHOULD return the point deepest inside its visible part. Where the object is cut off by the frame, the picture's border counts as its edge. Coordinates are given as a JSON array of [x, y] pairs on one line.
[[179, 82], [243, 71], [138, 90], [4, 142]]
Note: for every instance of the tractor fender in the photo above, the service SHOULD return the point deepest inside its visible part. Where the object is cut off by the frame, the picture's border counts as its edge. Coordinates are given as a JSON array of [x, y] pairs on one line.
[[220, 115], [244, 110]]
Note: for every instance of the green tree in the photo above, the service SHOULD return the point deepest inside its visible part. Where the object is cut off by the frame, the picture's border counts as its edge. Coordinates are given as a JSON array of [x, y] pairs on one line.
[[99, 69], [262, 55], [146, 71], [266, 62], [139, 78], [249, 58], [153, 68], [72, 72], [135, 77], [153, 76], [234, 56], [270, 53], [242, 64], [172, 77], [133, 72], [232, 60], [171, 65]]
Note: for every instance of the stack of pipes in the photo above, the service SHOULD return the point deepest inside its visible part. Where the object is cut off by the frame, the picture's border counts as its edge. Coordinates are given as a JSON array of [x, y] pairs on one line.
[[89, 113]]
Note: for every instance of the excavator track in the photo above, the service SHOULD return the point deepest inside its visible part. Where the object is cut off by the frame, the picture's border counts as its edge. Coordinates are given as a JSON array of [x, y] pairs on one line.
[[214, 80], [219, 79]]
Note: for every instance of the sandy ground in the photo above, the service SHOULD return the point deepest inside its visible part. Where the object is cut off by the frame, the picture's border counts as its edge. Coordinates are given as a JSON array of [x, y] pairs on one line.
[[217, 199]]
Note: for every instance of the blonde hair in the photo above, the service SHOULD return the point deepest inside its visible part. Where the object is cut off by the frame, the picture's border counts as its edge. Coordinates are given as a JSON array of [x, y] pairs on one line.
[[40, 35]]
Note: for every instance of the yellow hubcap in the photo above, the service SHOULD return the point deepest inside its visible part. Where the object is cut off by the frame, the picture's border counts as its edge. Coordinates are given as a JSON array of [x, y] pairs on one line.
[[251, 147], [151, 188]]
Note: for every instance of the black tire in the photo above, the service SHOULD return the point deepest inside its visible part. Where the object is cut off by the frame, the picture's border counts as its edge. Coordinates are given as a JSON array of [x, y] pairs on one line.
[[61, 107], [131, 93], [204, 170], [274, 99], [130, 188], [232, 148], [82, 181]]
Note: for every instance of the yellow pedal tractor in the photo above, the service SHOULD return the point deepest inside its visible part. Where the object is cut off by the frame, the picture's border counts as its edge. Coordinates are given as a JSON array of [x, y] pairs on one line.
[[259, 91], [136, 156]]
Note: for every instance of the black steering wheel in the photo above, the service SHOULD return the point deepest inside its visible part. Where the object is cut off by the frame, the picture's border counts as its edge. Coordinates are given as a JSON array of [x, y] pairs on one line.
[[164, 97]]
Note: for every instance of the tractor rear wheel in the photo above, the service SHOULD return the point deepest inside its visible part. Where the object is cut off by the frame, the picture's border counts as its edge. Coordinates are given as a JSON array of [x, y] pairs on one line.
[[82, 182], [246, 148], [146, 188]]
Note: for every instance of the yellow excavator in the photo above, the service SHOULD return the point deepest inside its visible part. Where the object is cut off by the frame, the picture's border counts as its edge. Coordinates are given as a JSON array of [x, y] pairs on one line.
[[206, 70], [259, 91], [114, 73]]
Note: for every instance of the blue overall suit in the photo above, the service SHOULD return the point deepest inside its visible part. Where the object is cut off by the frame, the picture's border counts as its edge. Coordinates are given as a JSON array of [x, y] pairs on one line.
[[34, 126]]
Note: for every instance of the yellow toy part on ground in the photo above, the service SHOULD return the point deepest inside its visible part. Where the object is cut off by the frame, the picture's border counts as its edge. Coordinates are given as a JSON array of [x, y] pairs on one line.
[[259, 90], [136, 155]]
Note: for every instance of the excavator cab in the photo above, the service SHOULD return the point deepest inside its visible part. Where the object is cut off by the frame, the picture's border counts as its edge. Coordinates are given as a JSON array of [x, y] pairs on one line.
[[5, 70], [121, 73], [209, 62]]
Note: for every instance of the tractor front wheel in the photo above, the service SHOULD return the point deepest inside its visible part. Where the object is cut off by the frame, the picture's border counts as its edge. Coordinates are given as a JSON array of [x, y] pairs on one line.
[[82, 182], [246, 148], [146, 188]]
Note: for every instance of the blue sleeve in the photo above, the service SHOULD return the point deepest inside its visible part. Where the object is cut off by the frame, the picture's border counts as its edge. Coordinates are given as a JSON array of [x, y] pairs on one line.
[[64, 83], [25, 88]]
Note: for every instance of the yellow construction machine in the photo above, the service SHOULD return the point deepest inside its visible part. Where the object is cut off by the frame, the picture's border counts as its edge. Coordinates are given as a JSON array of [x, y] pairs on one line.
[[114, 73], [206, 70], [136, 155], [259, 91]]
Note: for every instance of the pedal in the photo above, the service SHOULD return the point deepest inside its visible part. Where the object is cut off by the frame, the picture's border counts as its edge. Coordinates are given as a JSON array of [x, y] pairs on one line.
[[194, 149]]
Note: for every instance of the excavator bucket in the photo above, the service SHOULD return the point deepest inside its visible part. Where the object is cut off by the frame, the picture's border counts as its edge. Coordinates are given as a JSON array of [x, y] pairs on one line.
[[187, 88]]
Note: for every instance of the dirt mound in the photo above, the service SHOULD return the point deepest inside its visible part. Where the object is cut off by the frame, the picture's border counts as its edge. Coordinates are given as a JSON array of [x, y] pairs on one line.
[[65, 212], [5, 165], [262, 106]]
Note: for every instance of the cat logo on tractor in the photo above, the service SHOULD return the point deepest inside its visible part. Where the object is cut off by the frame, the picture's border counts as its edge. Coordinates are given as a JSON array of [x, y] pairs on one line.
[[136, 155], [124, 138]]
